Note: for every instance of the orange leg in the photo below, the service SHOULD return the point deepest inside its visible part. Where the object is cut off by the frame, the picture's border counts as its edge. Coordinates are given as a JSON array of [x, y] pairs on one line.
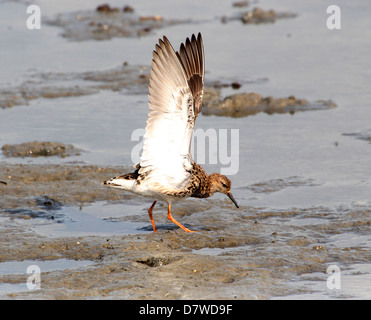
[[173, 220], [151, 217]]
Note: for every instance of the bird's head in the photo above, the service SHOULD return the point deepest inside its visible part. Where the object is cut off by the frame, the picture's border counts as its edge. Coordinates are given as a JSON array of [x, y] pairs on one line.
[[220, 183]]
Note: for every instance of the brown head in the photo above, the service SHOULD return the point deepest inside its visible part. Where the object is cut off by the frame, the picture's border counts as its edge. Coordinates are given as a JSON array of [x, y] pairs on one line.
[[220, 183]]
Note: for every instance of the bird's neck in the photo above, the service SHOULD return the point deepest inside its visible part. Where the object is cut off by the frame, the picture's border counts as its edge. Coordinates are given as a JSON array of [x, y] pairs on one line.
[[211, 183], [203, 186]]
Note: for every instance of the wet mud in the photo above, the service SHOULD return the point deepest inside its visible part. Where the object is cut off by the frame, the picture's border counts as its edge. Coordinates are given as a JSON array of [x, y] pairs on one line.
[[247, 104], [246, 253]]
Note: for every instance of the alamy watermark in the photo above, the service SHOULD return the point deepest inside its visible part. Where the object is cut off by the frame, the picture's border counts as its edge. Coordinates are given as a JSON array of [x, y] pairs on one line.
[[33, 22], [209, 146], [34, 280], [334, 20], [334, 278]]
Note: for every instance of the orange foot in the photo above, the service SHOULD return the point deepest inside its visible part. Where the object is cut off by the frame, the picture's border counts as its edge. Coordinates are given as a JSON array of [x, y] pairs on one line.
[[169, 216]]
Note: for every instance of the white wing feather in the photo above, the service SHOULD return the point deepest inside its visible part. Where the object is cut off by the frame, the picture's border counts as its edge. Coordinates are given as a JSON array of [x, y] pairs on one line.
[[170, 123], [175, 99]]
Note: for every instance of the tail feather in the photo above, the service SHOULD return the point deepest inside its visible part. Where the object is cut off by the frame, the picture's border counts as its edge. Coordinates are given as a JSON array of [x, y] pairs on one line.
[[125, 181]]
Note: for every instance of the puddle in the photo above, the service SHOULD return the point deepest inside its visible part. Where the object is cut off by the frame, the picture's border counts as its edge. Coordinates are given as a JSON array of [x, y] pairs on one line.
[[354, 279], [97, 219], [355, 283], [218, 251], [348, 240], [20, 268], [9, 288]]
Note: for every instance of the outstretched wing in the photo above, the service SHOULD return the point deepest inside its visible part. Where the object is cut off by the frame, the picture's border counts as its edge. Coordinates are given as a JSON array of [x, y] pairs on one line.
[[175, 100], [191, 55]]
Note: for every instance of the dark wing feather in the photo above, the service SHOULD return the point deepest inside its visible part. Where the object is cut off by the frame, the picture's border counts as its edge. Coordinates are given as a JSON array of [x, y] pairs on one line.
[[192, 58]]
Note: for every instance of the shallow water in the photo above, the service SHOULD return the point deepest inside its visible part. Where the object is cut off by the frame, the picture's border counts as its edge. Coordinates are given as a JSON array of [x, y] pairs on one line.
[[300, 161]]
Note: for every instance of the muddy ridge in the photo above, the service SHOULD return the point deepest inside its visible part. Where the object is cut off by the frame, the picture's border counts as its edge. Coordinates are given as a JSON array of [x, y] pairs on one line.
[[257, 15], [246, 104], [40, 149], [51, 85], [22, 185], [107, 22]]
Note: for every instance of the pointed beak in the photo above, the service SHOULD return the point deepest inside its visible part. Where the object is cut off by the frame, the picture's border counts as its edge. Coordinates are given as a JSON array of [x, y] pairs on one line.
[[229, 194]]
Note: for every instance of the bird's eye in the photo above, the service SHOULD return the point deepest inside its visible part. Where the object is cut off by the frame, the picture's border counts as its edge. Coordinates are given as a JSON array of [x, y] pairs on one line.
[[224, 185]]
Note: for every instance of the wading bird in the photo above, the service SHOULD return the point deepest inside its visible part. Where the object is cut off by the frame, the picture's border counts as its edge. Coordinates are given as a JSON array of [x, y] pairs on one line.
[[167, 171]]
